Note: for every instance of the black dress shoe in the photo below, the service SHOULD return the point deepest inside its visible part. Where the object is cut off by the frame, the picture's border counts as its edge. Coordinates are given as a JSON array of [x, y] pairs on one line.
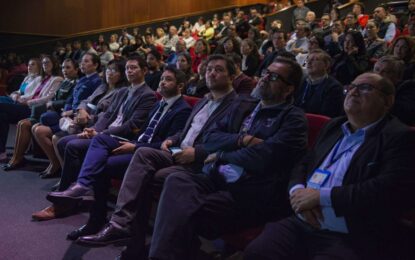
[[107, 236], [73, 195], [11, 167], [85, 230]]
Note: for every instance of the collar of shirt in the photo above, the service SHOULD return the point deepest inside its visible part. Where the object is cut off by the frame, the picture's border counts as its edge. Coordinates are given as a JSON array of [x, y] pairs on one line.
[[132, 88], [90, 75], [316, 81], [170, 101], [220, 99], [360, 132]]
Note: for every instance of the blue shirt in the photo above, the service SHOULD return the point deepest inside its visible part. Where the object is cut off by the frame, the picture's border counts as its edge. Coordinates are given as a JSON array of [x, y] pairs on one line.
[[337, 163]]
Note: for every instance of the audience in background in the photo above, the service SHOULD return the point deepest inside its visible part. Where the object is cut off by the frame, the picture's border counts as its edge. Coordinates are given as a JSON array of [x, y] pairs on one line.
[[334, 53]]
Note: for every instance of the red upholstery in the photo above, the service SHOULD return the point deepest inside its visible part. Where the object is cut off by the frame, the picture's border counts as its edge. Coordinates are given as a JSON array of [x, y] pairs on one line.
[[191, 100], [241, 239], [315, 124]]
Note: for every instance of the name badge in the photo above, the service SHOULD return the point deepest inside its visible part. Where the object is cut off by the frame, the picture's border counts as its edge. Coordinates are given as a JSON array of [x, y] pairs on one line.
[[318, 178]]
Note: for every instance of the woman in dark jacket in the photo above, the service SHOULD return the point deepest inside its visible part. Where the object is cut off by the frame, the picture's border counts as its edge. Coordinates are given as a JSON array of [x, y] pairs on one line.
[[250, 57], [352, 61]]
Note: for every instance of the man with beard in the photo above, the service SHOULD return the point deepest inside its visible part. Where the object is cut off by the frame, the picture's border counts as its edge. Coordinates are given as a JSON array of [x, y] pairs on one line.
[[150, 166], [244, 181]]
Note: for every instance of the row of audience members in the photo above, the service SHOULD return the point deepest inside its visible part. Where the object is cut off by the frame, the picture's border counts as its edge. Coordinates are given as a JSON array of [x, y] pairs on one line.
[[245, 151], [227, 162]]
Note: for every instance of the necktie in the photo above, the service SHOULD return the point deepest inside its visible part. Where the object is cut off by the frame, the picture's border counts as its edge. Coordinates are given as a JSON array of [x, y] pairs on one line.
[[148, 133]]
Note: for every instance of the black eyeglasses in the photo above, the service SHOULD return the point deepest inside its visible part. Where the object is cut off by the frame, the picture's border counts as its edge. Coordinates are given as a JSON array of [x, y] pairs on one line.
[[273, 76], [364, 88]]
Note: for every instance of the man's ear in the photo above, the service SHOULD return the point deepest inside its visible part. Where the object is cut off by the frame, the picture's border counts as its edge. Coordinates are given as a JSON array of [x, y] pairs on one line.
[[180, 88]]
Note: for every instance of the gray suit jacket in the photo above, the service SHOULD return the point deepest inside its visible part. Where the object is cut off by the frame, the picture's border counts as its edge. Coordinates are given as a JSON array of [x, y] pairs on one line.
[[135, 112]]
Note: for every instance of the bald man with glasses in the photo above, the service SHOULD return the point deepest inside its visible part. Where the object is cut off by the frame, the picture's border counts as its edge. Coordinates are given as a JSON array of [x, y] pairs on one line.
[[352, 189]]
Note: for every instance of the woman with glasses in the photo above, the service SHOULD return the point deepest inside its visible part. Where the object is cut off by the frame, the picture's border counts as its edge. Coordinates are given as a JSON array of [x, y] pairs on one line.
[[87, 113], [14, 112]]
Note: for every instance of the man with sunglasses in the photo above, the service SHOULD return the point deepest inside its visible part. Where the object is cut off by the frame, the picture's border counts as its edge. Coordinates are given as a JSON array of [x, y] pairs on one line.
[[350, 192], [245, 177]]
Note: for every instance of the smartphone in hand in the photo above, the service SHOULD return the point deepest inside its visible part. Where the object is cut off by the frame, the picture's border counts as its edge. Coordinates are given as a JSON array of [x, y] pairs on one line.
[[119, 138], [175, 150]]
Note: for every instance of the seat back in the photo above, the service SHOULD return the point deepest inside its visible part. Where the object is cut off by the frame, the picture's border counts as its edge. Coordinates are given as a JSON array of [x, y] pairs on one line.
[[315, 124]]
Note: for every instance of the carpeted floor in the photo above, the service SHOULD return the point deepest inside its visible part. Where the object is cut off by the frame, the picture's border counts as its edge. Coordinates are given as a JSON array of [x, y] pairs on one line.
[[21, 193]]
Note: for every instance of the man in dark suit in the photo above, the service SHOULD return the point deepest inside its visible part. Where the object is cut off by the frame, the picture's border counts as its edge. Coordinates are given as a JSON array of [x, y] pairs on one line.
[[127, 113], [243, 183], [180, 152], [351, 190], [109, 156]]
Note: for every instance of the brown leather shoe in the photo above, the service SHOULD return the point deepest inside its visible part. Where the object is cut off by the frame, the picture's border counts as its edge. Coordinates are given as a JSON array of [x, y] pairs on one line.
[[51, 212]]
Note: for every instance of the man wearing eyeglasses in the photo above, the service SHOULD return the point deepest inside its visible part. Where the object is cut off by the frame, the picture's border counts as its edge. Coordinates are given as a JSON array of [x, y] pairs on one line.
[[350, 192], [252, 152]]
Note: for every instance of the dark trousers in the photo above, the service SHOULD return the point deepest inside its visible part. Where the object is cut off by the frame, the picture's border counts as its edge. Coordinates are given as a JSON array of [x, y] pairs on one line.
[[191, 205], [144, 177], [73, 150], [98, 156], [99, 166], [291, 238], [10, 114]]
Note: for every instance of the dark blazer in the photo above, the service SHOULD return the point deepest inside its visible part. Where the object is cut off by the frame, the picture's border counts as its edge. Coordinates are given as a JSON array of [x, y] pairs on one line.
[[251, 63], [135, 112], [325, 98], [347, 67], [83, 89], [378, 185], [172, 122], [404, 107], [218, 114], [267, 165]]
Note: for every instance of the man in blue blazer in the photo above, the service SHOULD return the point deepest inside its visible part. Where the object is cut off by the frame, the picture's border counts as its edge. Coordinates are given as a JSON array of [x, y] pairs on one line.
[[109, 155], [351, 190]]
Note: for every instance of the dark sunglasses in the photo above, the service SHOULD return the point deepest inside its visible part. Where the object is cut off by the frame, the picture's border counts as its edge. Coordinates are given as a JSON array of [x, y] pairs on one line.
[[273, 76]]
